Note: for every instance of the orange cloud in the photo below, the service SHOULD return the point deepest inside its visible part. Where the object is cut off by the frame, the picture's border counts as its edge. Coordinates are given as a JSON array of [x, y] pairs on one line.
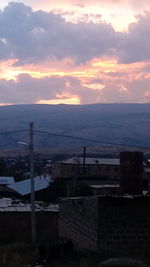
[[97, 68], [99, 80], [67, 101], [5, 104]]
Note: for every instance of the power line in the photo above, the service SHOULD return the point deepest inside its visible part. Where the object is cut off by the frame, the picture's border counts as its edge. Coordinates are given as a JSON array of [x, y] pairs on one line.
[[16, 131], [76, 138], [90, 140]]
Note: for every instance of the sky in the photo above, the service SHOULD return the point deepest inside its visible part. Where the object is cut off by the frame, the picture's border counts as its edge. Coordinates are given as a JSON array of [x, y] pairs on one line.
[[74, 51]]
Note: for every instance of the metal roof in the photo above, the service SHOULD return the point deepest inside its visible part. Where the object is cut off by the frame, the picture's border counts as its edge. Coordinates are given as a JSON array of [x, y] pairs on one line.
[[102, 161], [6, 180], [24, 187], [10, 205]]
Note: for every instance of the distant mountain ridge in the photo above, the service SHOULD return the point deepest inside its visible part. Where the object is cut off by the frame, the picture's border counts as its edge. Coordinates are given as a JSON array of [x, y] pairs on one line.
[[117, 123]]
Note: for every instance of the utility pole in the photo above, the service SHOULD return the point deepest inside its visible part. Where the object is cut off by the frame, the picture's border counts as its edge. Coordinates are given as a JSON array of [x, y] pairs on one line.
[[31, 149], [84, 156]]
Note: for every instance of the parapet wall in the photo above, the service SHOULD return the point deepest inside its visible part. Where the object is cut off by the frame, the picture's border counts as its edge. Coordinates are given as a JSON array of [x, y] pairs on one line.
[[124, 225], [78, 220], [107, 224], [16, 227]]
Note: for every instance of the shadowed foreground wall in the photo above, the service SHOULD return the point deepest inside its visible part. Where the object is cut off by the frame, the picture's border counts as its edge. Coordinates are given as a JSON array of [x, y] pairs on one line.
[[16, 226], [107, 224]]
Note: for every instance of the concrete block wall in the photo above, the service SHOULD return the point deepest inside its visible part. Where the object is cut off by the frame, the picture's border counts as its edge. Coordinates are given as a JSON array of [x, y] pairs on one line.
[[124, 225], [108, 225], [16, 226], [78, 220]]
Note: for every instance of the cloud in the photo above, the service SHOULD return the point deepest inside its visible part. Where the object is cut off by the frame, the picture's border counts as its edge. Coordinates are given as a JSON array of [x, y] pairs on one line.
[[35, 36], [135, 4], [28, 90], [134, 46], [83, 50]]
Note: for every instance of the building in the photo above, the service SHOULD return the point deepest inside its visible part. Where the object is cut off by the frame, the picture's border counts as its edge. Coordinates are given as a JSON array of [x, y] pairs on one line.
[[91, 169], [6, 180], [105, 189], [24, 187], [94, 172], [109, 225], [113, 223], [15, 221], [5, 191]]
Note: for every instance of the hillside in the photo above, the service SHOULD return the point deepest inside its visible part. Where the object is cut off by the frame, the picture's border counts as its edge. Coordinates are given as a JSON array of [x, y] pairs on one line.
[[116, 123]]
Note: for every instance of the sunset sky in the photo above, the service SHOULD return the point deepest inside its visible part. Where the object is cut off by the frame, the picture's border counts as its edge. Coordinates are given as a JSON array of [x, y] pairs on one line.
[[74, 51]]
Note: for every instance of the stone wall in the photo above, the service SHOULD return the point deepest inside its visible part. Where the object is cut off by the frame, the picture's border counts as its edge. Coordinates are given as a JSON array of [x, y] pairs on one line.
[[108, 225]]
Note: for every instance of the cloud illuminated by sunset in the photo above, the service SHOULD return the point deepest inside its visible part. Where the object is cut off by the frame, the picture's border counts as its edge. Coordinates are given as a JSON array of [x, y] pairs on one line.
[[74, 53]]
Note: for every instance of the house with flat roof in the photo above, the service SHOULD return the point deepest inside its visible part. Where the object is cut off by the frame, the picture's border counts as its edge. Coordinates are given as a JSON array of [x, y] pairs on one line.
[[87, 168], [15, 221]]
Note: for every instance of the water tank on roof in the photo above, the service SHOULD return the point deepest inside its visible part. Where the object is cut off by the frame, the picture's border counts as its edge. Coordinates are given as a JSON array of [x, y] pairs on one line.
[[131, 172]]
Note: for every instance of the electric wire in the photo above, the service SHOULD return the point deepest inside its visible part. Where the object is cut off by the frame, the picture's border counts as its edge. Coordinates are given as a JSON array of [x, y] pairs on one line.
[[77, 138], [90, 140], [16, 131]]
